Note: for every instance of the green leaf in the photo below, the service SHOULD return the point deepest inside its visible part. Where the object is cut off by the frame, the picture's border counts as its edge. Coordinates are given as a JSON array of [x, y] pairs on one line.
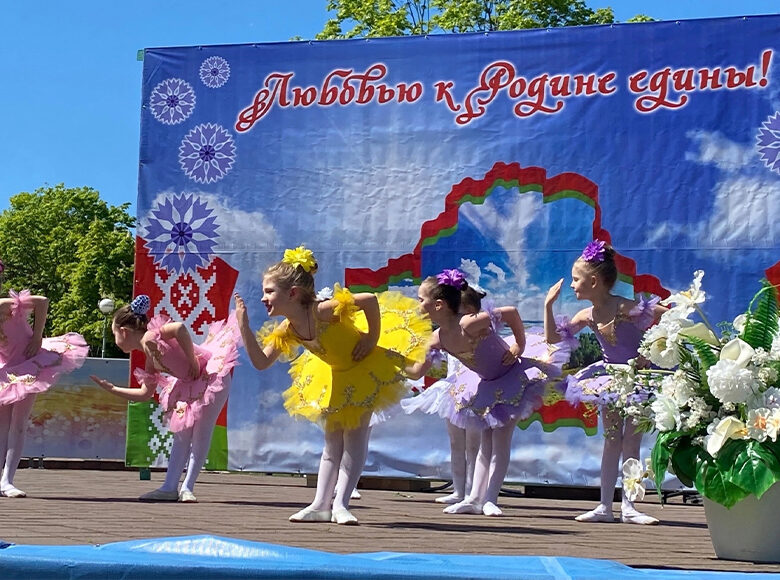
[[684, 461], [748, 465], [660, 455], [711, 481], [706, 355], [761, 325]]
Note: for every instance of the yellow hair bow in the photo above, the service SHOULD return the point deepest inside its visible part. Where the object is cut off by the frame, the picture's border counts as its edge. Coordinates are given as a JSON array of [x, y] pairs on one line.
[[300, 256]]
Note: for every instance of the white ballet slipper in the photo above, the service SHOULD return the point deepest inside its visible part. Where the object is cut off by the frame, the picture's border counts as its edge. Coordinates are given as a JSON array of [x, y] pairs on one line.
[[160, 495], [637, 517], [449, 499], [186, 496], [597, 515], [309, 514], [12, 492], [464, 507], [343, 517], [491, 509]]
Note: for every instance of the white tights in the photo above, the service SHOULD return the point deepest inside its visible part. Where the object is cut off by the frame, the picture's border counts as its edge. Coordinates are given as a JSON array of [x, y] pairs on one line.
[[343, 459], [620, 439], [464, 447], [13, 425], [492, 464], [191, 446]]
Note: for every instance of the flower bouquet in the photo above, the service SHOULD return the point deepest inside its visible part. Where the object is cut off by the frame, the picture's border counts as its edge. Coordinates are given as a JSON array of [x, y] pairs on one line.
[[714, 398]]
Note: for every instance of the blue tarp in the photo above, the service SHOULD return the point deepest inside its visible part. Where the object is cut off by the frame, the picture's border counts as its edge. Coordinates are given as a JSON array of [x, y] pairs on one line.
[[214, 557]]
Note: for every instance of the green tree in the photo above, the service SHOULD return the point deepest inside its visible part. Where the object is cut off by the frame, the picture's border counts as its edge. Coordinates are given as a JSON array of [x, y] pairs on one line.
[[404, 17], [71, 246]]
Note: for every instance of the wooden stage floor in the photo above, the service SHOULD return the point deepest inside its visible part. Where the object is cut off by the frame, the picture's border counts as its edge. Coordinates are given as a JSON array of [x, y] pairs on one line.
[[76, 506]]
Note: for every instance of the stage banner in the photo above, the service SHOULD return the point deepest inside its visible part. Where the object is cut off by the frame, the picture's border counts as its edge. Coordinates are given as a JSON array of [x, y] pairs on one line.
[[76, 419], [503, 154]]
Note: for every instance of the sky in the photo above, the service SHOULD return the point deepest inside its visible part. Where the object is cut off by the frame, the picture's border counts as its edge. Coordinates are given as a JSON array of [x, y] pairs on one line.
[[70, 97]]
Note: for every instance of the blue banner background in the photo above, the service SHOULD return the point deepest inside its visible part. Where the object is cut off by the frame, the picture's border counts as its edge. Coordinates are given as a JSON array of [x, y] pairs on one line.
[[679, 189]]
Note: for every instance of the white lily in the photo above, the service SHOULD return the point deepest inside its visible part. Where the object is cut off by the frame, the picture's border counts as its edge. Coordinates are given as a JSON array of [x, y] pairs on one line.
[[701, 331], [725, 429], [633, 476], [688, 299], [739, 351]]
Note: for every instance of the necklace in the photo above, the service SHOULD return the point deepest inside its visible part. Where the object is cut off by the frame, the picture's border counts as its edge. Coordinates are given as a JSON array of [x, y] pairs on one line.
[[309, 327]]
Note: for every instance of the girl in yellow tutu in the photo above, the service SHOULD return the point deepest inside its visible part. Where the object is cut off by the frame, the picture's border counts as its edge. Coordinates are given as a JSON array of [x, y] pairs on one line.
[[356, 348]]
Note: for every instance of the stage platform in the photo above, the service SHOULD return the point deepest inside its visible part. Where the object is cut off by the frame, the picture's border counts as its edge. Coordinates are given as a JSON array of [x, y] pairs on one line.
[[240, 526]]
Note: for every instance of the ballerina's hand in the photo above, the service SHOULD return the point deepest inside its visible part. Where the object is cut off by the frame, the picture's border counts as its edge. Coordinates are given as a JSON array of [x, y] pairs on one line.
[[554, 292], [33, 348], [241, 315], [102, 383], [365, 345], [511, 355]]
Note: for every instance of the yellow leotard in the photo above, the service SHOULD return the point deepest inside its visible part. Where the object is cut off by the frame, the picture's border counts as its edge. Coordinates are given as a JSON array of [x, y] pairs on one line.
[[332, 389]]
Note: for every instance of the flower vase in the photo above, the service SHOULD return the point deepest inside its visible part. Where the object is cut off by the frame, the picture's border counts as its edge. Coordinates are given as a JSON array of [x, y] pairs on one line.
[[749, 531]]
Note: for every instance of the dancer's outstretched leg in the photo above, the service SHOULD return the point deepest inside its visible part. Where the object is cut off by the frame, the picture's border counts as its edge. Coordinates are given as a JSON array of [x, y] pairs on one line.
[[612, 424], [632, 440], [499, 464], [320, 509], [353, 461], [20, 411], [458, 465], [201, 442]]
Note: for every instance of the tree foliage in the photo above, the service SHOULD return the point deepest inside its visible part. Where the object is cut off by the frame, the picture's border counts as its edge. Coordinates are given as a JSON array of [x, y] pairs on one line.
[[71, 246], [376, 18]]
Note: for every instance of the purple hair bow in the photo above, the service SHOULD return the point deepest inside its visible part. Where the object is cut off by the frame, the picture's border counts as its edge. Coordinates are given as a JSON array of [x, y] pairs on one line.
[[594, 251], [453, 277]]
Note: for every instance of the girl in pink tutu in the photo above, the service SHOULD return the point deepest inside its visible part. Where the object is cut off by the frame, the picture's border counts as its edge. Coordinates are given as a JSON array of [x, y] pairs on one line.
[[192, 382], [29, 364], [618, 324], [503, 393]]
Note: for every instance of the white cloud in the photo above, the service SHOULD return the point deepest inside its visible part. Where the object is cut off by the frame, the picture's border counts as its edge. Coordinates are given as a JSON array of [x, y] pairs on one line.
[[745, 210], [716, 149], [746, 214]]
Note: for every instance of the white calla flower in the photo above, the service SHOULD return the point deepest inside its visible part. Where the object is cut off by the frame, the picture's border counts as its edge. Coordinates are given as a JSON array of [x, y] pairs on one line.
[[702, 331], [723, 430], [739, 351]]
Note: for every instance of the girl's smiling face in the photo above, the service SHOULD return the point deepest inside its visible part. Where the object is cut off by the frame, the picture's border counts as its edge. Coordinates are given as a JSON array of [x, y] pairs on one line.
[[276, 299], [582, 281]]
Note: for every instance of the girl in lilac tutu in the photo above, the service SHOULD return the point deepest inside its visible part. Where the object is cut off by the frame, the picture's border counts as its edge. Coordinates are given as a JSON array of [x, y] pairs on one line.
[[464, 443], [29, 364], [503, 395], [618, 324], [192, 381]]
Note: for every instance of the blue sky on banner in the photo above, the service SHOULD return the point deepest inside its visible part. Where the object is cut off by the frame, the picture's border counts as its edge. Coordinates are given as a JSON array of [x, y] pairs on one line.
[[71, 95]]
